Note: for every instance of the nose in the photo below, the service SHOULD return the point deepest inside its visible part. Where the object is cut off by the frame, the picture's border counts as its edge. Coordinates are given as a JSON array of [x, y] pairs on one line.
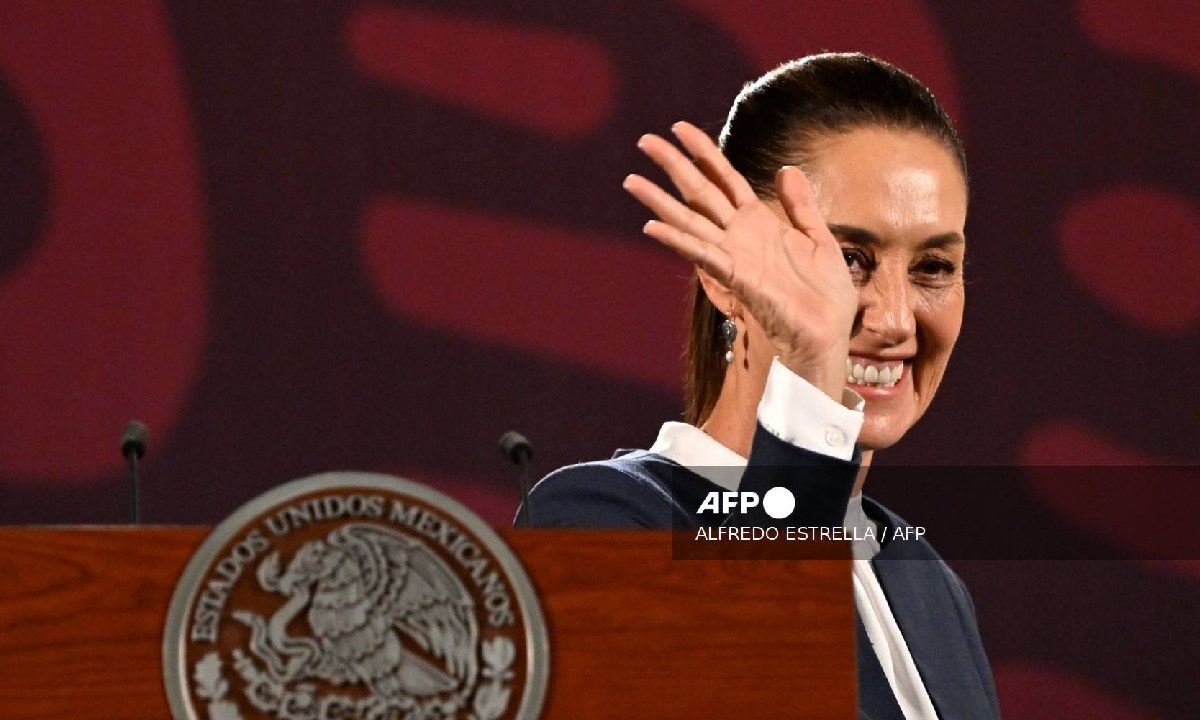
[[886, 307]]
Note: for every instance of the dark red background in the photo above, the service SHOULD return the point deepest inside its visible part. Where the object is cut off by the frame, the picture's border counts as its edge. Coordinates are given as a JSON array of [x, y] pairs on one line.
[[297, 237]]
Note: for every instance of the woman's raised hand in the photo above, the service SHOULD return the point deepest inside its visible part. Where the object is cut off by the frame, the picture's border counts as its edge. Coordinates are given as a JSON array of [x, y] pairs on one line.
[[789, 274]]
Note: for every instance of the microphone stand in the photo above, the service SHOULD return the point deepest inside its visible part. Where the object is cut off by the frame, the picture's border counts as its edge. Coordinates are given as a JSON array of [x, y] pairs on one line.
[[519, 451]]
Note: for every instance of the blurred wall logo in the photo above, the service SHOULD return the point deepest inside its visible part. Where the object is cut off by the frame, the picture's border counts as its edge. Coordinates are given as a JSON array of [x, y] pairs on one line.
[[351, 595]]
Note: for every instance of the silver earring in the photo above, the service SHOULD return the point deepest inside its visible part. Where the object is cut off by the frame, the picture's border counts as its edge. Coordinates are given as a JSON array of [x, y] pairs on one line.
[[729, 333]]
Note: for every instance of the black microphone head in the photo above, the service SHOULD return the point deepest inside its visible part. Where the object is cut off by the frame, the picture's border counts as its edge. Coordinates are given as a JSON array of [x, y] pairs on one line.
[[135, 439], [513, 444]]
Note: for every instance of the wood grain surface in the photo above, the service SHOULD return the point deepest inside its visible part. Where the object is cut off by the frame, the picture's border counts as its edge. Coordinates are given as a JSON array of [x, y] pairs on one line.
[[634, 633]]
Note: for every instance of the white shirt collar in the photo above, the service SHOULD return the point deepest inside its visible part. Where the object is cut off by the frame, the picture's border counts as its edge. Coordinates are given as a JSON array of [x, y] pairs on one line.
[[699, 452]]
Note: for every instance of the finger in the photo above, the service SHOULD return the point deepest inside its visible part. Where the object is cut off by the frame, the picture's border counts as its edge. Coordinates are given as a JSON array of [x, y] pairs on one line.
[[671, 211], [798, 201], [696, 189], [713, 162], [704, 255]]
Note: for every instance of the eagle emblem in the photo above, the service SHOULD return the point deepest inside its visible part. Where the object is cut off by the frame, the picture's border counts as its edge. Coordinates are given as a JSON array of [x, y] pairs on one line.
[[354, 596], [382, 612]]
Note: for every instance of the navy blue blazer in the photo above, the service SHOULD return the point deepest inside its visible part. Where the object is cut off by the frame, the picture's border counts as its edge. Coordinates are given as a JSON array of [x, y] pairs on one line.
[[638, 489]]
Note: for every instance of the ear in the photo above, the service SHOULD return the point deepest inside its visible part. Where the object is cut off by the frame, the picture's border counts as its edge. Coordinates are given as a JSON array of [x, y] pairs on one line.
[[719, 295]]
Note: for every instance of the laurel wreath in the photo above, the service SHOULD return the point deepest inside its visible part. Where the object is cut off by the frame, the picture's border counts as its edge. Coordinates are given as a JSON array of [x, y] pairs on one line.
[[211, 686], [490, 700]]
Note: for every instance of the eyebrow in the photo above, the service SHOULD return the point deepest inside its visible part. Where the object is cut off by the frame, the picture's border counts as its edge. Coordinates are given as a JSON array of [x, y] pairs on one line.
[[861, 236]]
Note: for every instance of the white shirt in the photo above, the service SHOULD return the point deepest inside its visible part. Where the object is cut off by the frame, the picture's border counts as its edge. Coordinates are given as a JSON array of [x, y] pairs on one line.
[[797, 413]]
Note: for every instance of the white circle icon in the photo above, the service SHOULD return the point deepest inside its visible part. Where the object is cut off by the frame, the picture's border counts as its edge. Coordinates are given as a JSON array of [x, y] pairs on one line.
[[779, 502]]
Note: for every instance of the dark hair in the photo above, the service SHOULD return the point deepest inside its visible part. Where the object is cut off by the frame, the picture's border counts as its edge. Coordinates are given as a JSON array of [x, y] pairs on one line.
[[778, 120]]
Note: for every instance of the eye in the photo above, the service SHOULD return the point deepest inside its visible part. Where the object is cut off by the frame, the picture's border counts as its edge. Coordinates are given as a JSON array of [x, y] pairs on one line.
[[859, 263], [936, 269]]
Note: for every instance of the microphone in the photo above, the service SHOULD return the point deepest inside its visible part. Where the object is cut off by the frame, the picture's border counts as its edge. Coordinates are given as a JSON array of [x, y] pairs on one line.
[[518, 451], [133, 446]]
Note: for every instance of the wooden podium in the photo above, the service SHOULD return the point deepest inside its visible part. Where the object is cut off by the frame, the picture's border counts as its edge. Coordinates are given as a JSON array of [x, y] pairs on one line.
[[633, 632]]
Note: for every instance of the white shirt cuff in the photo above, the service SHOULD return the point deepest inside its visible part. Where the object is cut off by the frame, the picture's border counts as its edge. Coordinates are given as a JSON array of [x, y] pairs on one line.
[[796, 412]]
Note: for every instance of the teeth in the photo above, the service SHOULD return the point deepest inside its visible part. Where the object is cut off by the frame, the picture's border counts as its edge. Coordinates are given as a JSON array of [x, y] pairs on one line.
[[886, 376]]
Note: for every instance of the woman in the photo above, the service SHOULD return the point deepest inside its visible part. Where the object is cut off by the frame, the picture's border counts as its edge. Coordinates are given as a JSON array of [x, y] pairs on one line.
[[799, 370]]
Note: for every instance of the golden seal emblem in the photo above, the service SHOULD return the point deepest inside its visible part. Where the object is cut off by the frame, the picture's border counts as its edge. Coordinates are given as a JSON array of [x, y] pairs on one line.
[[354, 596]]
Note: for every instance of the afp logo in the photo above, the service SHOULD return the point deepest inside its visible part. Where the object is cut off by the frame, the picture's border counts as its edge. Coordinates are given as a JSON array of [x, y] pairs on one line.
[[778, 502]]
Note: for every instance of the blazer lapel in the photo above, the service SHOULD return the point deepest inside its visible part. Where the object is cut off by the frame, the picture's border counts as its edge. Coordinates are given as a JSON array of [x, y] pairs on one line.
[[915, 581]]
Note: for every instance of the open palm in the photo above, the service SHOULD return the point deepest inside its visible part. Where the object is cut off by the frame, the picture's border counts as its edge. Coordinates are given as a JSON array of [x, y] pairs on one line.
[[789, 274]]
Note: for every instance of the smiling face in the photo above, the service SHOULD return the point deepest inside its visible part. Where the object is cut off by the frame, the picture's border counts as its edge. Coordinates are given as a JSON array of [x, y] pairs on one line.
[[896, 201]]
